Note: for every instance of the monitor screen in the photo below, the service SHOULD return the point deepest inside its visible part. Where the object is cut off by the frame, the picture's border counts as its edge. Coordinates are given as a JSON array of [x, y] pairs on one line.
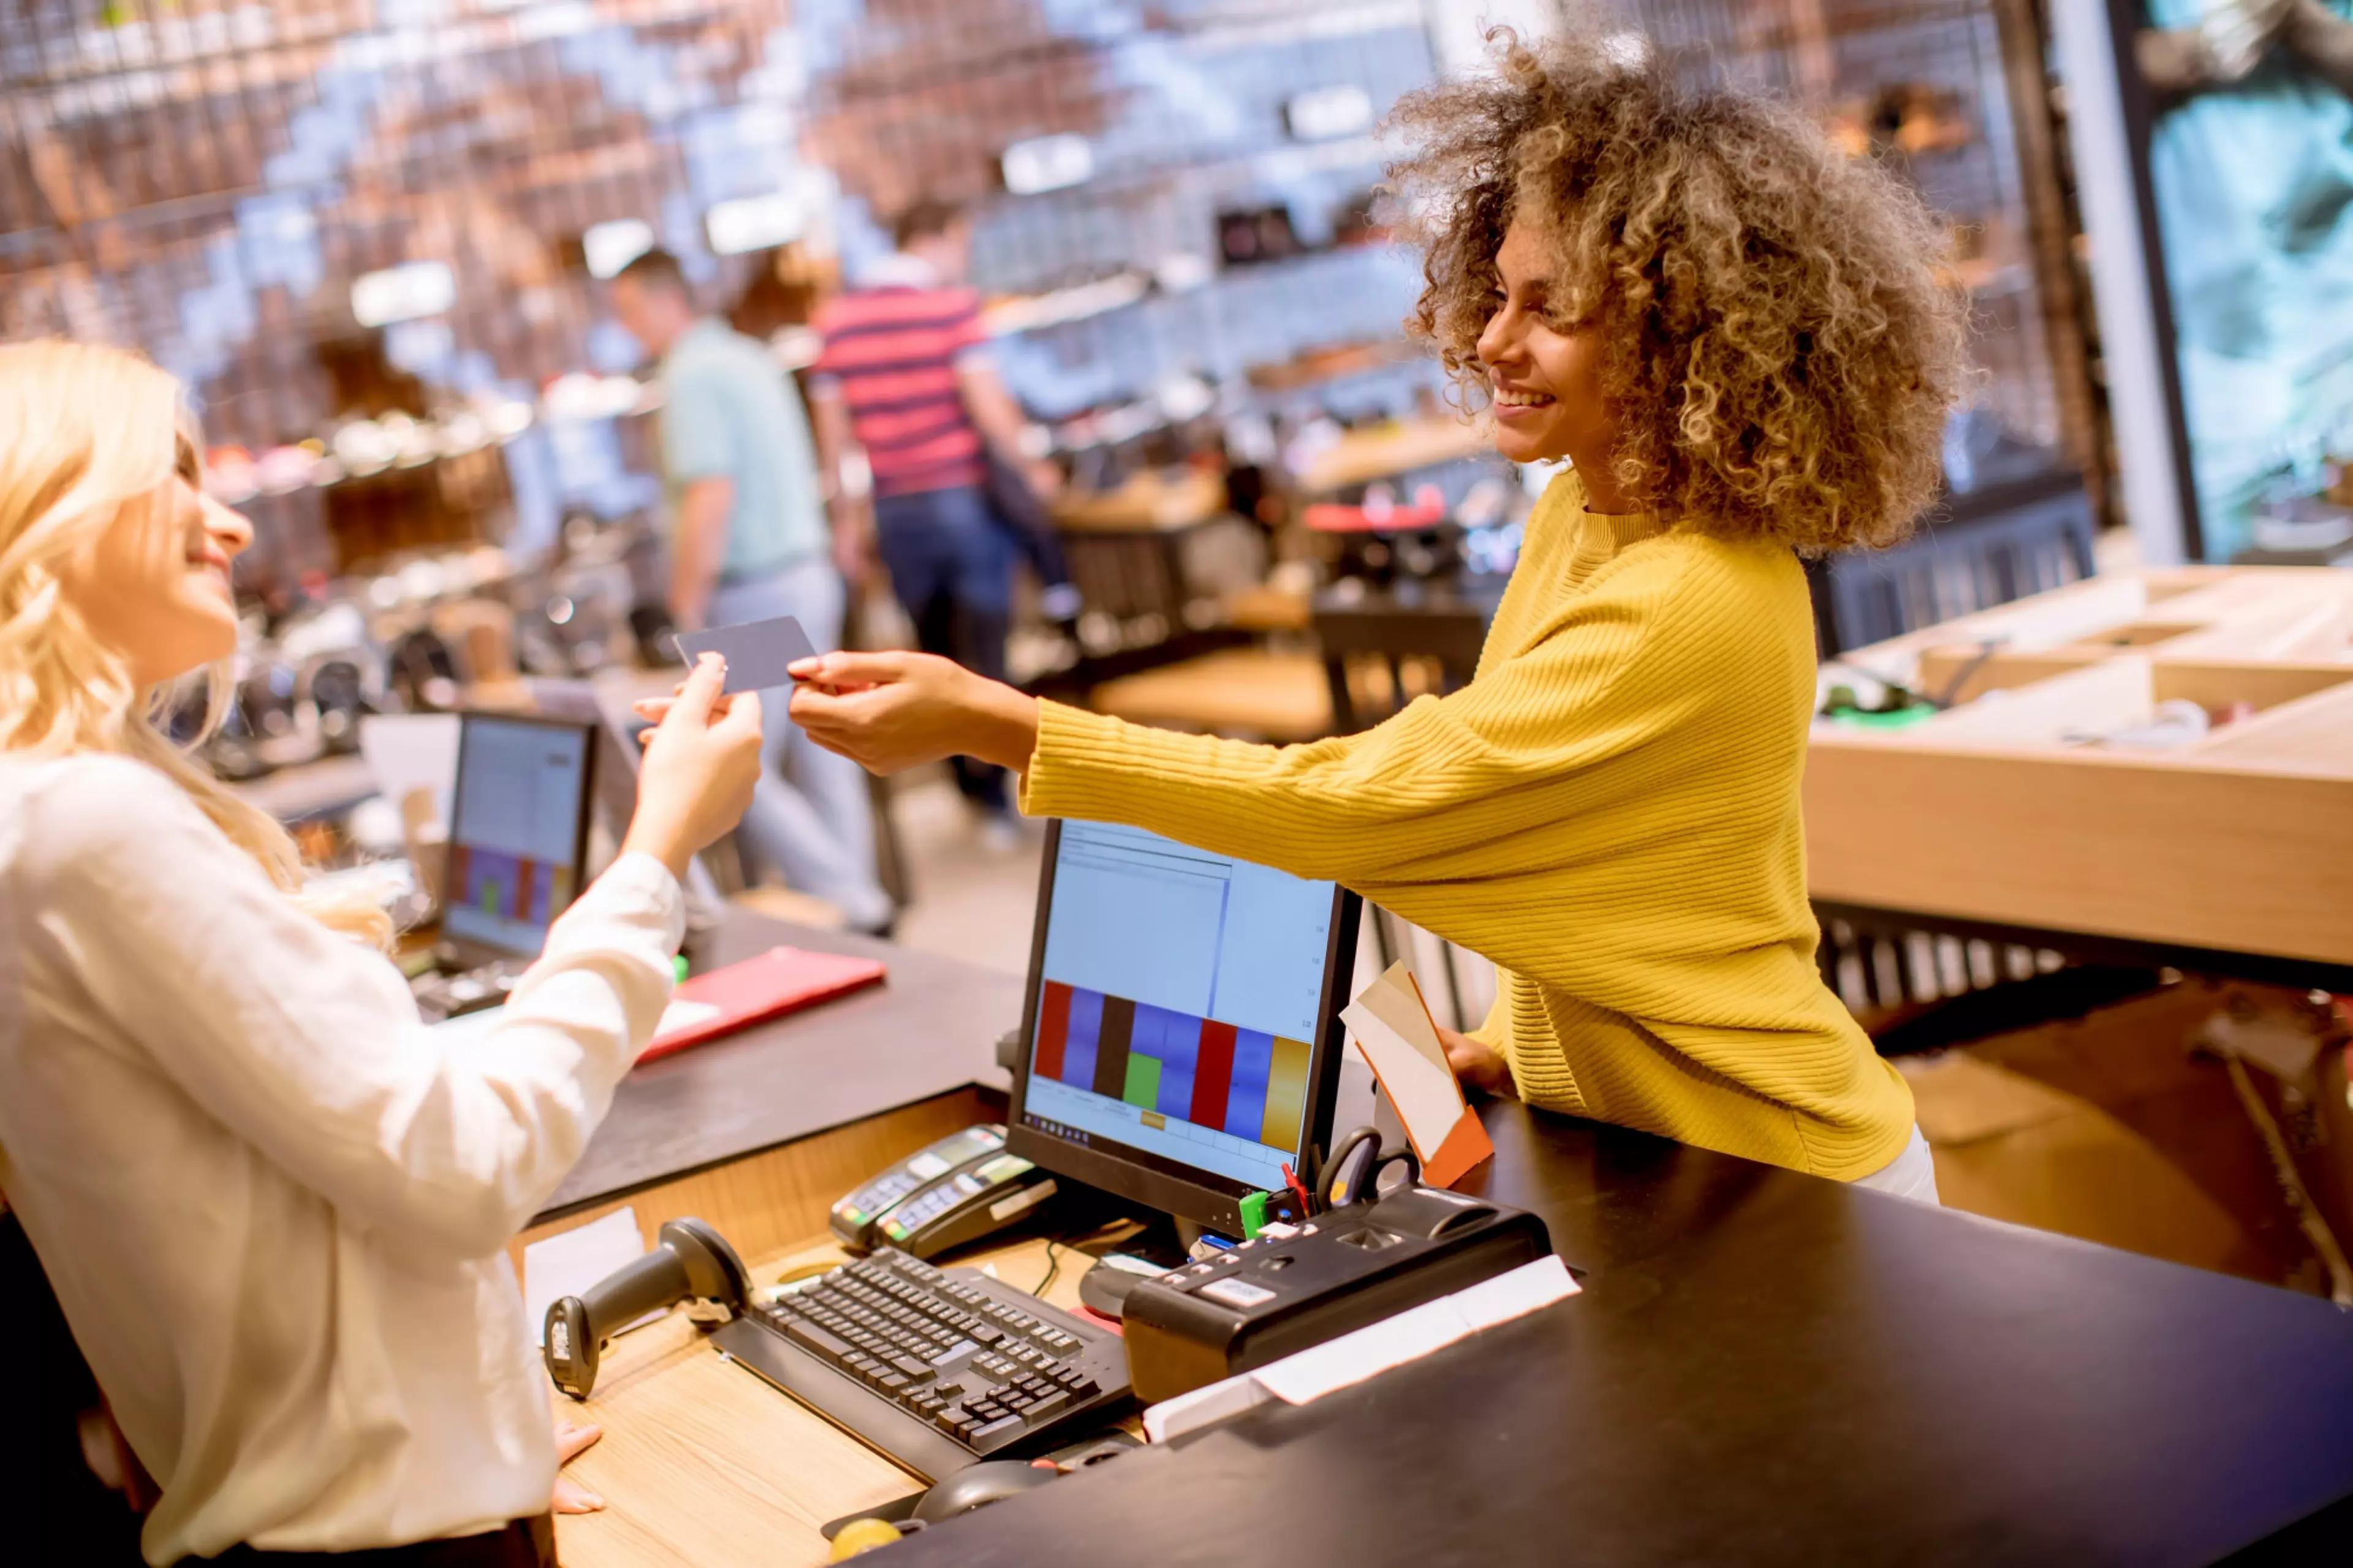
[[517, 832], [1182, 1010]]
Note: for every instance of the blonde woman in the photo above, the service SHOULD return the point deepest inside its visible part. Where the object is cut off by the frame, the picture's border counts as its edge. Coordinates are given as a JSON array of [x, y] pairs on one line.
[[272, 1207]]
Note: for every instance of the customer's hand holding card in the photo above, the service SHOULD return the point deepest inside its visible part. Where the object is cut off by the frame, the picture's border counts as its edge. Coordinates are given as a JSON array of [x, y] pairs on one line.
[[759, 656]]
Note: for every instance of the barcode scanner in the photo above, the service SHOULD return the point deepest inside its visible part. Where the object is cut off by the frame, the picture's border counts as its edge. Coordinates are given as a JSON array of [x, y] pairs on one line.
[[689, 1260]]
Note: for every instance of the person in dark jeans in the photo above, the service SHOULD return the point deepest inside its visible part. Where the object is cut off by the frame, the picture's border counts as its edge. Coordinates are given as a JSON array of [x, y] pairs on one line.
[[906, 373], [950, 565]]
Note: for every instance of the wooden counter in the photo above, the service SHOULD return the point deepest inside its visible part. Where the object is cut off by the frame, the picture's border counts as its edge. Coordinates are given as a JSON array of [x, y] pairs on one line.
[[704, 1466], [1763, 1367], [929, 1030]]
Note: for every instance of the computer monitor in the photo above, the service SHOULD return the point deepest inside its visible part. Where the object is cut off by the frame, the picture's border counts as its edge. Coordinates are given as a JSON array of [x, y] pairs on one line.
[[1182, 1029], [518, 829]]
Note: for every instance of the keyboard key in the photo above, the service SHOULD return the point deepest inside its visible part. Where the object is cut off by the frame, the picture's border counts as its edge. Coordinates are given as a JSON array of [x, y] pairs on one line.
[[916, 1371], [1048, 1405], [954, 1350], [814, 1339], [1005, 1427], [985, 1334]]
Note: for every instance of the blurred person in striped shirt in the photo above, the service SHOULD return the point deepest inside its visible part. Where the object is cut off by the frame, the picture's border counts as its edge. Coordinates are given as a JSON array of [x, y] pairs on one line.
[[906, 374]]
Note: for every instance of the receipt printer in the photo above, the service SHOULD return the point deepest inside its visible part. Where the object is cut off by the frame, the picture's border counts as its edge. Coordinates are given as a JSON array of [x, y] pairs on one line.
[[1344, 1269]]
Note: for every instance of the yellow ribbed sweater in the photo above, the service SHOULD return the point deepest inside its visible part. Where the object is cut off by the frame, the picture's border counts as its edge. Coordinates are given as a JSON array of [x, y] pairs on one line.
[[1609, 812]]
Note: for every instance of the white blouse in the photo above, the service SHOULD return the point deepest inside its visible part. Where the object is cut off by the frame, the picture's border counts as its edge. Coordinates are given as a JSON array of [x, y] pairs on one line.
[[273, 1205]]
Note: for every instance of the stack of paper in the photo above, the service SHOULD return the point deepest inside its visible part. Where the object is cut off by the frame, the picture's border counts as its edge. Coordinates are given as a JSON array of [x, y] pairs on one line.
[[1393, 1028]]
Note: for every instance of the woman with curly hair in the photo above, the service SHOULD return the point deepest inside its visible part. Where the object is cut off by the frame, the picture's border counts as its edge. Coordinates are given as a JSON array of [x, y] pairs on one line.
[[1736, 338]]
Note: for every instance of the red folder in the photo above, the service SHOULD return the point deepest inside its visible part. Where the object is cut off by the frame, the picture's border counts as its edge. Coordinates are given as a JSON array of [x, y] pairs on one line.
[[781, 980]]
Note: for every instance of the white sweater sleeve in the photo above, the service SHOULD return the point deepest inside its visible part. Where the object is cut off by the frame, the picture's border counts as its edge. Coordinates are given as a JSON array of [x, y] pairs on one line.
[[308, 1046]]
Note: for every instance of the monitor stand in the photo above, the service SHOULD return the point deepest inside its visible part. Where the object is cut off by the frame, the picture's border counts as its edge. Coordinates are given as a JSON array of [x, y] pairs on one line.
[[1166, 1243]]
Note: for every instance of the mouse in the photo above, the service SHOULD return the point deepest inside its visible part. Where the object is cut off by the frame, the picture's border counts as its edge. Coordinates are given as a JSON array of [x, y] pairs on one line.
[[977, 1486]]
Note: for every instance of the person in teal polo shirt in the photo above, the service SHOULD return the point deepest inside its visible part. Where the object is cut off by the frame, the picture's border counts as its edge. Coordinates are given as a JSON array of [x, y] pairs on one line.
[[749, 542]]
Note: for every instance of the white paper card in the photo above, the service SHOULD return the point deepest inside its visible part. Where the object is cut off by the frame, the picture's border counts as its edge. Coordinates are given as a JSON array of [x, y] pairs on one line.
[[1515, 1295], [1427, 1097], [569, 1263], [408, 751], [1204, 1406], [1316, 1371], [1311, 1374]]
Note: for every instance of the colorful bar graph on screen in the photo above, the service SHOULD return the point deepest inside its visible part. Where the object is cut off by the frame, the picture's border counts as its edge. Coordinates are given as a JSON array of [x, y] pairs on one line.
[[1286, 1095], [1172, 1065], [1213, 1076], [1112, 1043], [1143, 1089], [1053, 1030]]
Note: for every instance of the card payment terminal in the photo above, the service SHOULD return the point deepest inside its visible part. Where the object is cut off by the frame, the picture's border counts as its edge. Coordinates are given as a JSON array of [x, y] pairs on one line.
[[959, 1189]]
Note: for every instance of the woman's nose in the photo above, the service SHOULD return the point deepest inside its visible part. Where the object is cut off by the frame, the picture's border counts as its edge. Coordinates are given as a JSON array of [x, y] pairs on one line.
[[1496, 340], [230, 529]]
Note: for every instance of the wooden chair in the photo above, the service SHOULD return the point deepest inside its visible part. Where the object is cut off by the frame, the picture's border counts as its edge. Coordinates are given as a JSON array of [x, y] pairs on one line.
[[1394, 633]]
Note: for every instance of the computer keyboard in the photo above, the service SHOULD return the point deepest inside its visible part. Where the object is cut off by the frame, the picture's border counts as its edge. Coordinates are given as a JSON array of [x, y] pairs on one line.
[[934, 1369]]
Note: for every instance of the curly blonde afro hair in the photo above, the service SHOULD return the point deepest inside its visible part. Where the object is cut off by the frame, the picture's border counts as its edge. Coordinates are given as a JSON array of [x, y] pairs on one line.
[[1779, 348]]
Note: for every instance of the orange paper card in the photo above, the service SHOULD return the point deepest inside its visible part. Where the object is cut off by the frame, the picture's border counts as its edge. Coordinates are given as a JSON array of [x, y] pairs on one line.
[[1392, 1026]]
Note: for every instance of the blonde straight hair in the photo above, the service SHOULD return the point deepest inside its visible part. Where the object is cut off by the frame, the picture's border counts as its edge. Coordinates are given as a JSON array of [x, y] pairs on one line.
[[88, 441]]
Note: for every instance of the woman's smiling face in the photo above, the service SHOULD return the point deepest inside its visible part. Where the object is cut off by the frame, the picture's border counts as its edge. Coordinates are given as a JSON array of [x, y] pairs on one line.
[[156, 587], [1543, 374]]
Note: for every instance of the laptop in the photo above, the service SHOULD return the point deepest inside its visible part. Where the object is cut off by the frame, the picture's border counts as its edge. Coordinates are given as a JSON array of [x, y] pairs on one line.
[[518, 854]]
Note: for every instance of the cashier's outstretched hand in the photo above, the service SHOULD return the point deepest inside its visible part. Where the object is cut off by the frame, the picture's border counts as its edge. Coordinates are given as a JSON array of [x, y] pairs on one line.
[[701, 760], [892, 710]]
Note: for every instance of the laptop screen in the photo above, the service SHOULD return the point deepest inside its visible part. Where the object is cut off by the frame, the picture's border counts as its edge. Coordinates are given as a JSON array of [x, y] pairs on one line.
[[518, 831]]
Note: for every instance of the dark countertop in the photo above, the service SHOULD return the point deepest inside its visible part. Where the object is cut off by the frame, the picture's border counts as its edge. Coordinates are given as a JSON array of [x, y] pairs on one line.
[[930, 1027], [1764, 1368]]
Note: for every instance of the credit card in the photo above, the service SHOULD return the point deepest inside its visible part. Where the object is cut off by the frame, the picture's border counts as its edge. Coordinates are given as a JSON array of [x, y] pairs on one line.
[[759, 654]]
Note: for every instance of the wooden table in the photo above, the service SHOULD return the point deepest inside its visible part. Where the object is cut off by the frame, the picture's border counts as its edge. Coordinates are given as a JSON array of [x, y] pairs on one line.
[[2232, 854], [1153, 501], [1386, 451]]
